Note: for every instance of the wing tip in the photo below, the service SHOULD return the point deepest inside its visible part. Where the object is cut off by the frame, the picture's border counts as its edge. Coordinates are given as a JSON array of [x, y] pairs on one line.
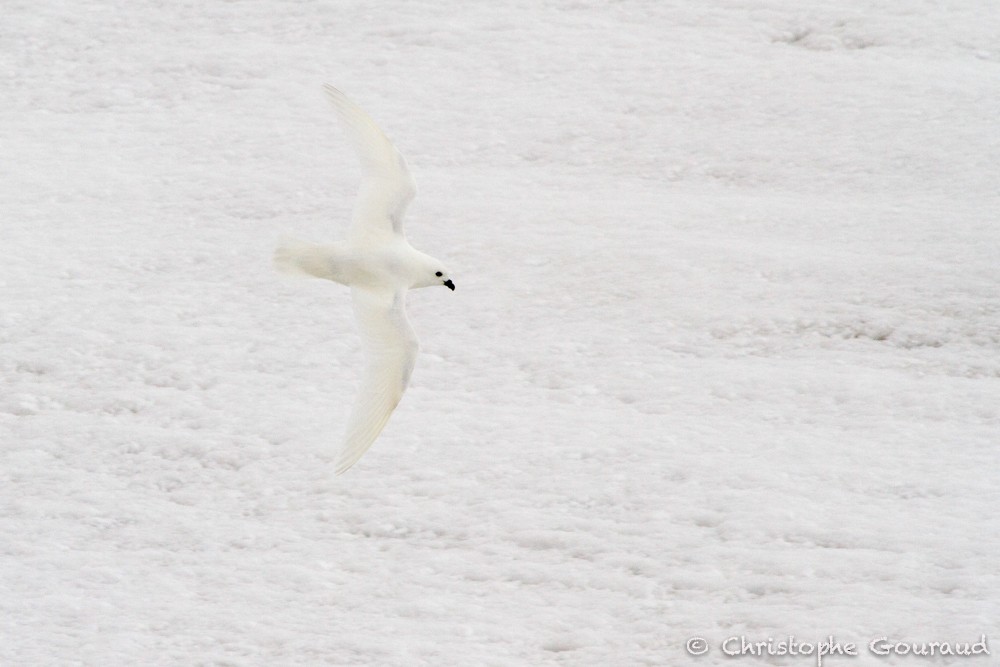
[[348, 458], [337, 97], [345, 463]]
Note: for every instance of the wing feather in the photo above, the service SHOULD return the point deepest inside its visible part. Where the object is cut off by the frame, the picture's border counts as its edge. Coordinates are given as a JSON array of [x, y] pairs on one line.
[[387, 188], [391, 350]]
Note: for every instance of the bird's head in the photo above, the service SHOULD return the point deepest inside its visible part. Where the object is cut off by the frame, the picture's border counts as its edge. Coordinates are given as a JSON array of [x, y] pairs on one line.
[[428, 272], [442, 278]]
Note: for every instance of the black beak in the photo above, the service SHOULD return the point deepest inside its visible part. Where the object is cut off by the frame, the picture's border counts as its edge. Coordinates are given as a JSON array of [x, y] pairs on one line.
[[450, 285]]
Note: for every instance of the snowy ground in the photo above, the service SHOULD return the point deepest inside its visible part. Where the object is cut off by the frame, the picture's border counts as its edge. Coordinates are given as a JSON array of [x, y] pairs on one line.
[[724, 357]]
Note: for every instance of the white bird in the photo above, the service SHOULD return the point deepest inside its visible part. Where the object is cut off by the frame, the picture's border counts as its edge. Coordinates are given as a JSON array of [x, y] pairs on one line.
[[379, 266]]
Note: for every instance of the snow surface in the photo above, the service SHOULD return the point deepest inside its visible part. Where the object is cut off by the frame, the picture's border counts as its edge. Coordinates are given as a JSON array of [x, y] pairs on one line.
[[724, 357]]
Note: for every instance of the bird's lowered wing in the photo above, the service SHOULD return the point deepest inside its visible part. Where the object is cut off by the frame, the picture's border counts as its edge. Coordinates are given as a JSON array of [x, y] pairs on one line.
[[391, 351], [386, 185]]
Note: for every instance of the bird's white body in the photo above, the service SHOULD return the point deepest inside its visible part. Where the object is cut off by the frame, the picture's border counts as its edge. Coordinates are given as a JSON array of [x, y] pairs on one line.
[[379, 266], [391, 264]]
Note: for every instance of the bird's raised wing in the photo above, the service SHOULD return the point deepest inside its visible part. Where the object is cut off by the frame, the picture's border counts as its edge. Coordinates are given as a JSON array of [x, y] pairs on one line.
[[386, 185], [391, 350]]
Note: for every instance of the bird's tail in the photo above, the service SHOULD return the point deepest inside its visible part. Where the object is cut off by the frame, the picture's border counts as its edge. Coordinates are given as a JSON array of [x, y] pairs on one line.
[[308, 259]]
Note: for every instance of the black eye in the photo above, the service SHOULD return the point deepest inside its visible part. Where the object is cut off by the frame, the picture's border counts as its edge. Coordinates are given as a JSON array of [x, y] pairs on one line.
[[438, 274]]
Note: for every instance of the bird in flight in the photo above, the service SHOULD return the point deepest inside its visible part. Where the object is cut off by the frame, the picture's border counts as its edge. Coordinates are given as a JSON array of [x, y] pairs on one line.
[[379, 266]]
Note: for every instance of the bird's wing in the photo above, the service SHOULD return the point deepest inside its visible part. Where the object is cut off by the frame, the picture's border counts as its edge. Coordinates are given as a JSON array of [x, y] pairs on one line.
[[391, 350], [386, 185]]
